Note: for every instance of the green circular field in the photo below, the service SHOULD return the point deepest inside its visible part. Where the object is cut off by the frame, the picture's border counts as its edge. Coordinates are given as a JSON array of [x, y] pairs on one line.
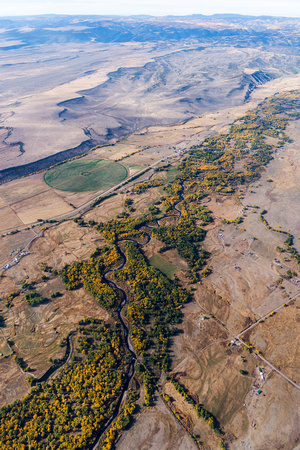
[[85, 175]]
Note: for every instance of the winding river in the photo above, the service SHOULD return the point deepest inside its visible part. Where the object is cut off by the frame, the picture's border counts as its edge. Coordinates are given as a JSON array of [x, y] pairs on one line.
[[123, 302]]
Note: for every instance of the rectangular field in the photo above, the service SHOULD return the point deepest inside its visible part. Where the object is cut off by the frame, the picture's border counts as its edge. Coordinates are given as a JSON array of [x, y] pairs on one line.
[[163, 265], [45, 206], [9, 220]]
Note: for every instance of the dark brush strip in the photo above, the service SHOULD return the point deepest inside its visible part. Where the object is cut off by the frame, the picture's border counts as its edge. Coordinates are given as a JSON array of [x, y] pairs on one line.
[[43, 164]]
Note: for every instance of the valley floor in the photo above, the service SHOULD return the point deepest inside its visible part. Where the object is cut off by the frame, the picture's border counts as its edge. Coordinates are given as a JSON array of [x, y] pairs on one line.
[[237, 349]]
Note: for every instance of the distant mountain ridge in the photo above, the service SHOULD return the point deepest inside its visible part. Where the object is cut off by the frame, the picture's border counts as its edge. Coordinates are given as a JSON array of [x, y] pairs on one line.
[[242, 30]]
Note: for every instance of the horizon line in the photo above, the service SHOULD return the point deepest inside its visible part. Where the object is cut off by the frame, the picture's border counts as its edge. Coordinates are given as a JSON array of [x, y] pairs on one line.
[[151, 15]]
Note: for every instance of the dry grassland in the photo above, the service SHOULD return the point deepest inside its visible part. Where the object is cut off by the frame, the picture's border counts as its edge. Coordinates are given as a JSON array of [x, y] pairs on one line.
[[64, 244], [241, 289], [179, 136], [156, 428], [2, 203], [43, 206], [9, 219], [4, 253], [281, 196], [7, 152], [115, 151], [107, 210], [60, 245], [188, 415], [13, 242], [36, 120], [35, 332], [23, 189], [273, 417], [278, 340], [28, 200], [12, 381], [213, 374], [196, 336]]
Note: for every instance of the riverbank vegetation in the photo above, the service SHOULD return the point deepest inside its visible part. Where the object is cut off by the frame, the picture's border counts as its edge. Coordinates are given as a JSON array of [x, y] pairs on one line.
[[155, 304], [91, 275], [288, 242], [69, 411], [126, 228]]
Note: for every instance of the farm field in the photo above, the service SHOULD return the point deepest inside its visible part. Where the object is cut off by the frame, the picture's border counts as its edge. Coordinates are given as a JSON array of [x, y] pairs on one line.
[[160, 263], [9, 219], [27, 200], [43, 207], [85, 175]]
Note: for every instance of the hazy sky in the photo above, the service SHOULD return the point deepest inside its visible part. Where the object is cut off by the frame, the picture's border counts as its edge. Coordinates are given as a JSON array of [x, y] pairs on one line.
[[290, 8]]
